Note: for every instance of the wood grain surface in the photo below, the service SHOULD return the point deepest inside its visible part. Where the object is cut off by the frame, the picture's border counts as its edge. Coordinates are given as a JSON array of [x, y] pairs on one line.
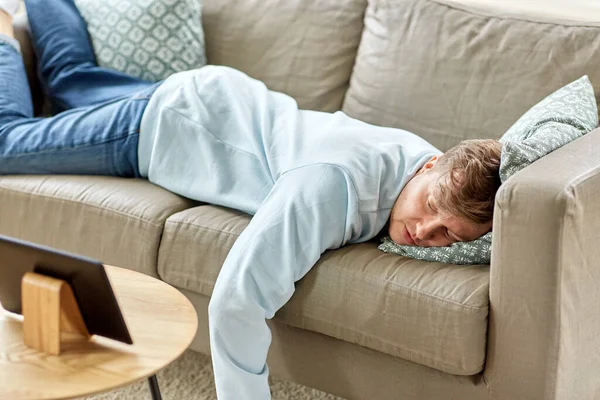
[[49, 308], [162, 323]]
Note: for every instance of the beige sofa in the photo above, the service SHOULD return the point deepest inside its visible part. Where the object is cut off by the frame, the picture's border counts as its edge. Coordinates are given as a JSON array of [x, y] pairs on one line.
[[364, 324]]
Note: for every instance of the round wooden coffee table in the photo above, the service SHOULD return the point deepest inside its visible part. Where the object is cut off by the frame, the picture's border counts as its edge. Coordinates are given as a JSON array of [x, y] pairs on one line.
[[162, 323]]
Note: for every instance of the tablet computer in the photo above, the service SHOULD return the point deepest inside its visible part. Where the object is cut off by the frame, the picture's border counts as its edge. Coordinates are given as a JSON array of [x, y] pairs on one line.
[[87, 277]]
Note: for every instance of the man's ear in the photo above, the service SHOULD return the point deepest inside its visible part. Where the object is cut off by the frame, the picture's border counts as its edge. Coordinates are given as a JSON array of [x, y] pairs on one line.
[[428, 165], [431, 163]]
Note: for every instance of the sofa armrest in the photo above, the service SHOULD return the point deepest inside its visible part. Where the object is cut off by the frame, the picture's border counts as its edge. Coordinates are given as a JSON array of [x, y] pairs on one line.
[[544, 337], [21, 26]]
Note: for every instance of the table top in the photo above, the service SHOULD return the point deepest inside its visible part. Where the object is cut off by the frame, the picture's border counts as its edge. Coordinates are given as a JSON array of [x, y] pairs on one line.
[[162, 323]]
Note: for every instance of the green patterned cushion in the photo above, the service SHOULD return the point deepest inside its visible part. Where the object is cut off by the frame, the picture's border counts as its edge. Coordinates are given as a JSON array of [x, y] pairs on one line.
[[148, 39], [473, 252], [560, 118]]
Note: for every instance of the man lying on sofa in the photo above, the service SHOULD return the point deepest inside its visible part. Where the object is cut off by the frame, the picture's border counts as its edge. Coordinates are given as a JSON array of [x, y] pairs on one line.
[[313, 181]]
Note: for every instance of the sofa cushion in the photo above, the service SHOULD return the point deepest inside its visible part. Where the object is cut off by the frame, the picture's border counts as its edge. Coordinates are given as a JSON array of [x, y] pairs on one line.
[[304, 48], [449, 73], [150, 40], [572, 12], [557, 120], [430, 313], [476, 251], [118, 221]]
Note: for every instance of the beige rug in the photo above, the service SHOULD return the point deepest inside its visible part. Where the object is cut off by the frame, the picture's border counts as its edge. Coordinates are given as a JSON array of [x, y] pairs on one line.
[[191, 378]]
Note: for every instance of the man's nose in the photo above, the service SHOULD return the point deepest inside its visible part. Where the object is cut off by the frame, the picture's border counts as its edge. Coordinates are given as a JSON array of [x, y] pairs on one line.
[[426, 227]]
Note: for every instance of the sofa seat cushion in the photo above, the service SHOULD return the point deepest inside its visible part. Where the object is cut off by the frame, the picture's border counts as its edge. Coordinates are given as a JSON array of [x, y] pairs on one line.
[[118, 221], [430, 313]]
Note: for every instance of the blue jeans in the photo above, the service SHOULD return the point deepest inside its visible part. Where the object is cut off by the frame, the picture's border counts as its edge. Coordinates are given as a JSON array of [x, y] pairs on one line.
[[96, 131]]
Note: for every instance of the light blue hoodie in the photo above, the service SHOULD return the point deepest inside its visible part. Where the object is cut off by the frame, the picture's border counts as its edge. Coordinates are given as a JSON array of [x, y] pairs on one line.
[[313, 181]]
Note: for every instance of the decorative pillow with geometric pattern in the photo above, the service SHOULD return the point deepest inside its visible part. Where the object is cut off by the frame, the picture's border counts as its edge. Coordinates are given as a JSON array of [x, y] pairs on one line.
[[560, 118], [474, 252], [148, 39]]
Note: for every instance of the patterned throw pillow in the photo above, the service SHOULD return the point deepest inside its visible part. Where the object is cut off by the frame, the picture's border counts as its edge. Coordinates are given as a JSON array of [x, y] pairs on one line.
[[473, 252], [148, 39], [560, 118]]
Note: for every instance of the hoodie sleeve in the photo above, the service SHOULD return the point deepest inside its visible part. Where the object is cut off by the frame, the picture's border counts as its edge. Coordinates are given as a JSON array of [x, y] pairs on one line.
[[309, 210]]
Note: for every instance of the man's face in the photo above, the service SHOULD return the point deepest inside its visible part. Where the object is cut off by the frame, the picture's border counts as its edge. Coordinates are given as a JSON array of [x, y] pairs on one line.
[[417, 221]]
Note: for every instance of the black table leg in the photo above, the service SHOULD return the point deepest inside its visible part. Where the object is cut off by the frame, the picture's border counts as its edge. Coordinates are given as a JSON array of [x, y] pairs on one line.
[[154, 389]]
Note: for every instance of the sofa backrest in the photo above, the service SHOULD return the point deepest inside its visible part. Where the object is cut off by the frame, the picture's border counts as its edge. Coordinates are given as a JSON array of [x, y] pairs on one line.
[[564, 12], [304, 48], [447, 70], [450, 73]]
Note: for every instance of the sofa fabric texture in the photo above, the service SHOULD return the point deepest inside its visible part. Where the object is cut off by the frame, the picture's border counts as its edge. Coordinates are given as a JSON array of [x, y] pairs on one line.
[[349, 371], [303, 48], [544, 278], [430, 313], [448, 74], [118, 221], [570, 13]]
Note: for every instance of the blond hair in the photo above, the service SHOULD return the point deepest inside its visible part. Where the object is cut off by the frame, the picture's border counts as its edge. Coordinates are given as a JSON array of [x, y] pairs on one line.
[[469, 179]]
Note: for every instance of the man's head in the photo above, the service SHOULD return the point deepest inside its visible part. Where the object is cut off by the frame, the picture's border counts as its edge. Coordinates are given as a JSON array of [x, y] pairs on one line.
[[451, 198]]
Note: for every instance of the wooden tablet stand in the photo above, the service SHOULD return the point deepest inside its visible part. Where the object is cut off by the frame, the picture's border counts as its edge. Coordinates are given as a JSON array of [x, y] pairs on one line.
[[49, 309]]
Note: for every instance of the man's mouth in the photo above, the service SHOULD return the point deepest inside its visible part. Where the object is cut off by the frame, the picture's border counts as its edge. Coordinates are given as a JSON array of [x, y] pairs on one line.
[[407, 237]]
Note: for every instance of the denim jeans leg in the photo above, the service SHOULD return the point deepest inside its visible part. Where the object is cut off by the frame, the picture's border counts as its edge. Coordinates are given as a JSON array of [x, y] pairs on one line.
[[94, 140], [15, 96], [67, 65]]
